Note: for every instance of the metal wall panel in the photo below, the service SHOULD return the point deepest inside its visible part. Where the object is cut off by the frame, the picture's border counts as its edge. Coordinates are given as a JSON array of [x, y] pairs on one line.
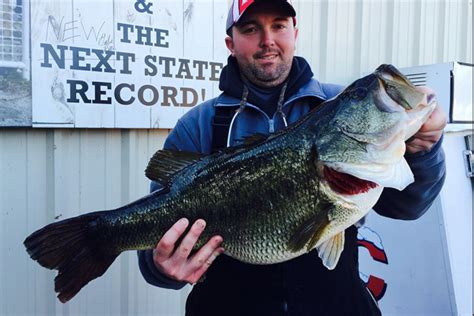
[[342, 39], [49, 174]]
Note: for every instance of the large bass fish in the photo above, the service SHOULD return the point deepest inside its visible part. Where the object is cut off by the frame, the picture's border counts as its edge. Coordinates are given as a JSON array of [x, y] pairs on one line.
[[272, 198]]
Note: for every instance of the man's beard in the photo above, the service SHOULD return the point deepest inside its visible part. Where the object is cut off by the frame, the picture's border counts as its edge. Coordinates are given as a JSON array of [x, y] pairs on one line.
[[264, 78]]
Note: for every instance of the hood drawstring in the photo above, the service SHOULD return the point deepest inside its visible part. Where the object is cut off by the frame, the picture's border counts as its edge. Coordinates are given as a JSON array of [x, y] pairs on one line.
[[280, 104], [243, 103]]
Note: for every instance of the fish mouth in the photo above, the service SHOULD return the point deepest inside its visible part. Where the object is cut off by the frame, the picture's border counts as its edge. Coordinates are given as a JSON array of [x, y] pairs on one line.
[[401, 91], [398, 94]]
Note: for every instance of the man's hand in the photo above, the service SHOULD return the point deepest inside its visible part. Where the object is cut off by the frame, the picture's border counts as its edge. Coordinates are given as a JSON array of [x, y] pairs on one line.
[[431, 131], [178, 264]]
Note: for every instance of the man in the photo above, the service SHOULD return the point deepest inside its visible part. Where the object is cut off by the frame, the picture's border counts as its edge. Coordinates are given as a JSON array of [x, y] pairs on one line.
[[265, 88]]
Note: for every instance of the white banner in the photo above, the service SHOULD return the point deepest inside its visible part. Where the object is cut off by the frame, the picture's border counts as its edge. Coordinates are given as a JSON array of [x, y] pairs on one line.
[[124, 63]]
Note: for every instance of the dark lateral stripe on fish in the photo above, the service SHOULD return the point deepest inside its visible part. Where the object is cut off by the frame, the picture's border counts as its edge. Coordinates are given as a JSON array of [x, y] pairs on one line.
[[345, 183]]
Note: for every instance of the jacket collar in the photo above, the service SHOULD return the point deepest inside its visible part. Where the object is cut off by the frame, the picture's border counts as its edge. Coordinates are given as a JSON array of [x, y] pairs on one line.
[[311, 89]]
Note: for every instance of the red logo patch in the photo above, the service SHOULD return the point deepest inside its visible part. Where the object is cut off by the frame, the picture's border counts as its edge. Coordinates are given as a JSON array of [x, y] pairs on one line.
[[243, 4]]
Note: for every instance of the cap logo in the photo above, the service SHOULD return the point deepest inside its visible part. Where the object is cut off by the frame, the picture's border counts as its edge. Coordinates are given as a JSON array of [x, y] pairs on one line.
[[238, 8], [243, 4]]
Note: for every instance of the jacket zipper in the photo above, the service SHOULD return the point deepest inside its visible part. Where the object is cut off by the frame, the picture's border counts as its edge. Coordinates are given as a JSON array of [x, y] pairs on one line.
[[271, 122], [271, 127]]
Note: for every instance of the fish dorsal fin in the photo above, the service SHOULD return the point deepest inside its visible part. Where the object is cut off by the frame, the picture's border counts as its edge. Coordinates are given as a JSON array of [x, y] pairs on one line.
[[330, 250], [309, 232], [165, 163]]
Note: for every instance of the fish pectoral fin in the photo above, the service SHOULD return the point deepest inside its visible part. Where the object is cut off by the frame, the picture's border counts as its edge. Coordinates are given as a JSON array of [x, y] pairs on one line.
[[308, 233], [165, 163], [330, 250]]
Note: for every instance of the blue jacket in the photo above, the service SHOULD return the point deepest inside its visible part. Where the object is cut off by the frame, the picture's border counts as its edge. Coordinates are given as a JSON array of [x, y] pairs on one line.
[[193, 132]]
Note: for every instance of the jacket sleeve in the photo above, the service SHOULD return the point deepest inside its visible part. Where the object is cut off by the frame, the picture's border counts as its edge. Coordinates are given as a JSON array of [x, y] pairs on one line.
[[178, 139], [429, 170]]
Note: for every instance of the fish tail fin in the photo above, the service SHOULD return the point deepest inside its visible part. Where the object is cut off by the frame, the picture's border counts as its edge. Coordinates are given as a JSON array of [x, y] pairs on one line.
[[69, 247]]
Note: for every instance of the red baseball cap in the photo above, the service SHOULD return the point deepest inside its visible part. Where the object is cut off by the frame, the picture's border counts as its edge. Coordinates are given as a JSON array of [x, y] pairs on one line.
[[239, 7]]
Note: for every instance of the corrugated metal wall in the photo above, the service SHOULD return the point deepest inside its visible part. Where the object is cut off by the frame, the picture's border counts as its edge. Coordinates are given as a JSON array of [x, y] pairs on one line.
[[345, 38], [49, 174], [55, 174]]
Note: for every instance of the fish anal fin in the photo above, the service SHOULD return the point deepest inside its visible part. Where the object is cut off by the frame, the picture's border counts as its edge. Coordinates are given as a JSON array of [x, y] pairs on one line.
[[308, 232], [165, 163], [330, 250]]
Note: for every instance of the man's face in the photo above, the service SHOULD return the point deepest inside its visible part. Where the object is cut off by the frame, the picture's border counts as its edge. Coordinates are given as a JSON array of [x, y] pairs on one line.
[[264, 42]]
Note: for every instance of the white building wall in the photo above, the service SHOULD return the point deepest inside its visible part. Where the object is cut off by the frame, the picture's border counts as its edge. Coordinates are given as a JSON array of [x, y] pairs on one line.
[[345, 38], [56, 173]]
